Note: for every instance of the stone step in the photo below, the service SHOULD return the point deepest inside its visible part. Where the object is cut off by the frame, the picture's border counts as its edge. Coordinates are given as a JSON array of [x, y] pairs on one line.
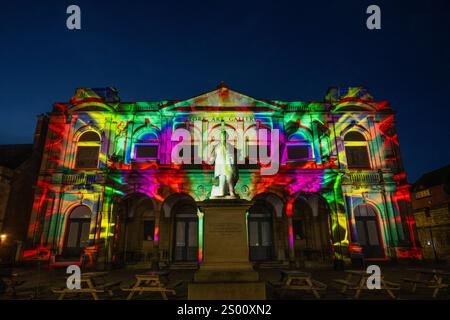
[[272, 265], [183, 266]]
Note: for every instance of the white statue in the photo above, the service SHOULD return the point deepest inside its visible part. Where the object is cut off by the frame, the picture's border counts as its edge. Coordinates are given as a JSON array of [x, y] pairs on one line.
[[225, 168]]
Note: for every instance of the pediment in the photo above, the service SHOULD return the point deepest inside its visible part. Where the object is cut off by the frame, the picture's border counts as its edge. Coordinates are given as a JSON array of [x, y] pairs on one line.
[[224, 98]]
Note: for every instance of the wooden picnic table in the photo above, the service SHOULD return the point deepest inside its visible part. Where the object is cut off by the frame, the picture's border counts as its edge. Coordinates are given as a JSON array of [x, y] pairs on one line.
[[428, 278], [11, 281], [152, 281], [299, 280], [91, 283], [357, 280]]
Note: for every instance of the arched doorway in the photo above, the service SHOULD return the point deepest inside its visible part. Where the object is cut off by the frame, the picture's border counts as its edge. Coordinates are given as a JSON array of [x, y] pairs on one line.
[[368, 231], [185, 235], [77, 231], [136, 229], [260, 231], [311, 231]]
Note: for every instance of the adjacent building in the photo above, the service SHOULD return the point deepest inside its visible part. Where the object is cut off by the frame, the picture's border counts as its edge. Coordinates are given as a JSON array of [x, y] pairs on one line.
[[431, 204], [110, 189], [19, 168]]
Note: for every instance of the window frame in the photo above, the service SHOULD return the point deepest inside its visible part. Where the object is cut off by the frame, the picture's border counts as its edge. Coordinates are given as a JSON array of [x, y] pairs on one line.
[[144, 159], [293, 141], [146, 142], [299, 143], [97, 144], [350, 144]]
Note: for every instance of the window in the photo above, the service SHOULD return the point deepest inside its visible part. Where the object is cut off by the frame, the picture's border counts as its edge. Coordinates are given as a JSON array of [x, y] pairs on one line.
[[88, 148], [297, 228], [356, 151], [146, 147], [423, 194], [298, 152], [146, 151], [149, 230], [298, 148]]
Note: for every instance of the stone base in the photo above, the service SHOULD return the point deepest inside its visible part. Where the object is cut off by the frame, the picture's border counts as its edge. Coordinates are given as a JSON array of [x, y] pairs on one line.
[[226, 272], [228, 197], [227, 291]]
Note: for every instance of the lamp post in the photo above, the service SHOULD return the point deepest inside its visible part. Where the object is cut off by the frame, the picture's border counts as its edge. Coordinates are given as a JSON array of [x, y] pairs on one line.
[[433, 245], [430, 227]]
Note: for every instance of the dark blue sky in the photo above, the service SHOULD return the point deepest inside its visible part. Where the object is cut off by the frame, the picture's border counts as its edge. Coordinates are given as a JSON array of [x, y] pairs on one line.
[[295, 50]]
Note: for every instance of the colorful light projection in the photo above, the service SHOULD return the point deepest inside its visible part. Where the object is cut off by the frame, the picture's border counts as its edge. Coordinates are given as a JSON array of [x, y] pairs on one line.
[[315, 130]]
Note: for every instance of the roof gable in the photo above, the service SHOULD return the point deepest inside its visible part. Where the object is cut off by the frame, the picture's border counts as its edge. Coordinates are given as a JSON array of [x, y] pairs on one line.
[[223, 98]]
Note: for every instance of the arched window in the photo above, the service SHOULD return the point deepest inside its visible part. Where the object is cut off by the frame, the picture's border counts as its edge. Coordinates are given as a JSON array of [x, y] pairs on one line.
[[146, 147], [356, 151], [78, 228], [88, 148], [298, 147]]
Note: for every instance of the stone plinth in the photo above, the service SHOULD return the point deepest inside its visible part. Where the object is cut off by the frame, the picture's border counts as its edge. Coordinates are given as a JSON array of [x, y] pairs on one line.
[[226, 272]]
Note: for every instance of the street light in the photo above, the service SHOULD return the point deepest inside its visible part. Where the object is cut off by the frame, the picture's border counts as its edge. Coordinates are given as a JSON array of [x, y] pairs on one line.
[[2, 238]]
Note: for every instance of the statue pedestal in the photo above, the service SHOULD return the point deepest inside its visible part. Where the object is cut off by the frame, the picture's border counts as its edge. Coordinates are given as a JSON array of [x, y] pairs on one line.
[[226, 272]]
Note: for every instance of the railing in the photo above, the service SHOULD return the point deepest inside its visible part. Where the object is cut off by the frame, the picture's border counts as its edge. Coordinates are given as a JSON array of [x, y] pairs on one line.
[[362, 177], [80, 178]]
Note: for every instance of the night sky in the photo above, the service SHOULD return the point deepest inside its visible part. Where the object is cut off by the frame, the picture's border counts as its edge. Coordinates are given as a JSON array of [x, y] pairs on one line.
[[153, 50]]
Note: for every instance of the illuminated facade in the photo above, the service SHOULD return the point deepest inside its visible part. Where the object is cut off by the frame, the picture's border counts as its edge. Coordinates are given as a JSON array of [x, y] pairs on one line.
[[109, 187]]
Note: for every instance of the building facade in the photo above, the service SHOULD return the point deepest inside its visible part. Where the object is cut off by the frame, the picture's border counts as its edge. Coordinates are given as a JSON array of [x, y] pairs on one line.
[[110, 187], [431, 205]]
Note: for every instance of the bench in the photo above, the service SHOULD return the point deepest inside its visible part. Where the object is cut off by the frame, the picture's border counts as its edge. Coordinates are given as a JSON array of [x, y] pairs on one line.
[[360, 284], [345, 284], [62, 291], [109, 287], [436, 282], [11, 282], [88, 286], [302, 282], [140, 290], [150, 283]]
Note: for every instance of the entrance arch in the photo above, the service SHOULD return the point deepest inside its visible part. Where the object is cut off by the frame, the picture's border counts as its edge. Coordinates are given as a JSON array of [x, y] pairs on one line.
[[136, 229], [311, 229], [185, 232], [77, 231], [368, 231], [260, 230]]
